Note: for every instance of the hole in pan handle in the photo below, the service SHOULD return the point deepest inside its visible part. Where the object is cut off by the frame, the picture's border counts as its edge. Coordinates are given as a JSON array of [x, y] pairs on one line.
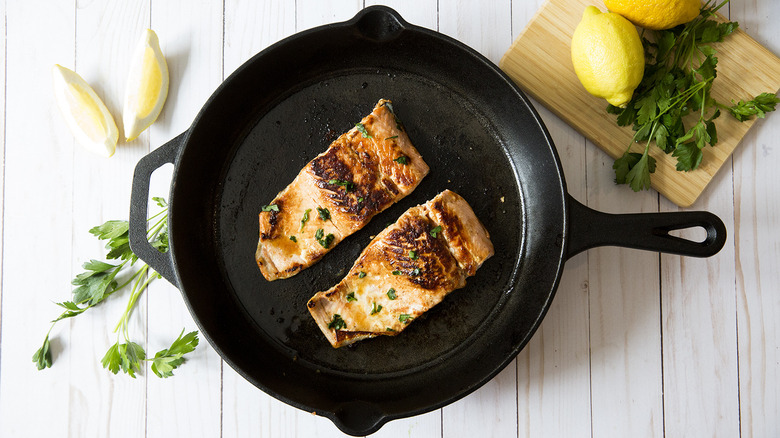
[[139, 199], [589, 228]]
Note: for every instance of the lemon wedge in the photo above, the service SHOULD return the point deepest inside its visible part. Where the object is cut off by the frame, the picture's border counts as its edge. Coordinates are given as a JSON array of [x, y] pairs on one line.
[[86, 115], [147, 86]]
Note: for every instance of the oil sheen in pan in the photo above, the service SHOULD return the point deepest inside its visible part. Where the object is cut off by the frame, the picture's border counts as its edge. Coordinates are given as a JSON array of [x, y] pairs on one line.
[[465, 155]]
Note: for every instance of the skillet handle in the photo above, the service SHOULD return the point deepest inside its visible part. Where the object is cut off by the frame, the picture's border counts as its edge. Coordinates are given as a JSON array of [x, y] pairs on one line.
[[589, 228], [139, 198]]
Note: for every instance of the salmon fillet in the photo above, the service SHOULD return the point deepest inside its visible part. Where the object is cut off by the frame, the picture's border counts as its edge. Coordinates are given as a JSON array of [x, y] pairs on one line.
[[362, 173], [406, 270]]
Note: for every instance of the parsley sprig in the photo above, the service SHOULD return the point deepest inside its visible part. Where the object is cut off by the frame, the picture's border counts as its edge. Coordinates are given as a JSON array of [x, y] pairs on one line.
[[680, 69], [99, 281]]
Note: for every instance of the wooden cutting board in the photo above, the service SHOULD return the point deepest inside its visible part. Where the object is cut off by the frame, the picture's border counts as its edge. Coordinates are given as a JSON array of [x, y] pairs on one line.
[[539, 61]]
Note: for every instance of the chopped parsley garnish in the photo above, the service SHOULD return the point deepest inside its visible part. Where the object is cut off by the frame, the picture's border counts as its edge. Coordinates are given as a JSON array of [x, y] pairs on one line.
[[351, 297], [435, 232], [360, 200], [413, 255], [403, 159], [416, 271], [396, 272], [405, 318], [305, 218], [324, 213], [272, 207], [389, 329], [294, 239], [363, 130], [337, 323], [391, 294], [348, 186], [390, 138], [323, 240], [375, 308], [361, 274]]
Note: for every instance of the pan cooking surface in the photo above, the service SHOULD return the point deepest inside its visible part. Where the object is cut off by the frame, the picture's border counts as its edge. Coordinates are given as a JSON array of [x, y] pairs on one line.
[[465, 152]]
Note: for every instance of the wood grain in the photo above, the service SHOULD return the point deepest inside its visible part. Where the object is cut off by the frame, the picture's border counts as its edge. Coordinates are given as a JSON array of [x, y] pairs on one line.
[[105, 35], [756, 236], [41, 158], [540, 62]]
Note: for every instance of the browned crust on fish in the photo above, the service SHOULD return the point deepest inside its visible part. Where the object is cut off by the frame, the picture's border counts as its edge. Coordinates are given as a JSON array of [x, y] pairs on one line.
[[356, 178], [419, 268]]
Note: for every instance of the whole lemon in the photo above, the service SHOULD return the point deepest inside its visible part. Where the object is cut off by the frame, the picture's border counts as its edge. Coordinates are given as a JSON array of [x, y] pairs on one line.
[[607, 55], [656, 14]]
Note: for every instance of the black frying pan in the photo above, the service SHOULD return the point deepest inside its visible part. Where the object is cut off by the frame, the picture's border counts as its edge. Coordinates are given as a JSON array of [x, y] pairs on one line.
[[481, 138]]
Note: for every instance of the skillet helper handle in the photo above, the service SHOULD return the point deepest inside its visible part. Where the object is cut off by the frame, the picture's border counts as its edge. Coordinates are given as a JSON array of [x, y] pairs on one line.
[[589, 228], [139, 199]]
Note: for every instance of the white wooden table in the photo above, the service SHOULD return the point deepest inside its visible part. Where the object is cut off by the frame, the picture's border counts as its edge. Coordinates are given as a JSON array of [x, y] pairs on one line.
[[636, 343]]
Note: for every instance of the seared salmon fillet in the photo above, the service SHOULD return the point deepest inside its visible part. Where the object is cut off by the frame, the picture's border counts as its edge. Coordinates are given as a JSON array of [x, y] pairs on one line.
[[362, 173], [406, 269]]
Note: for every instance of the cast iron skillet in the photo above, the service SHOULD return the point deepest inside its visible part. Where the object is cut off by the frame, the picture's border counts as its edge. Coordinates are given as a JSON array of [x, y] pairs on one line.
[[481, 138]]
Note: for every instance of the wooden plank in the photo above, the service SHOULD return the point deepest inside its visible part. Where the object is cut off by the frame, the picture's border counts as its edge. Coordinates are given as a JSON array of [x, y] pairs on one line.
[[699, 329], [625, 333], [106, 403], [4, 28], [486, 27], [37, 218], [554, 368], [188, 404], [324, 12], [540, 61], [756, 235]]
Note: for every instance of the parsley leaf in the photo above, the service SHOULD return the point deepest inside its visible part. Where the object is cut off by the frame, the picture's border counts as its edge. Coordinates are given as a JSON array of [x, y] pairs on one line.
[[324, 213], [272, 207], [351, 297], [127, 357], [167, 360], [405, 318], [42, 356], [435, 231], [413, 255], [375, 308], [759, 106], [363, 130], [348, 186], [305, 218], [391, 294], [322, 239], [361, 274], [688, 156], [337, 323], [403, 159], [638, 177]]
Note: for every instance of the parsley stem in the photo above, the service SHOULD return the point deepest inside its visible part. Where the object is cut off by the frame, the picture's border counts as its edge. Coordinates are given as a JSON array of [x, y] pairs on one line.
[[163, 211], [134, 295]]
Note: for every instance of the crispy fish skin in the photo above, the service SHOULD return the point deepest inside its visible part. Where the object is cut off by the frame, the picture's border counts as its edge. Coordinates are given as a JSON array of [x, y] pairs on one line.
[[406, 269], [360, 174]]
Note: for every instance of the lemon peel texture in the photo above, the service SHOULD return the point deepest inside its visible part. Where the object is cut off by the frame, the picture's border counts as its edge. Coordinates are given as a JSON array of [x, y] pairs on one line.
[[607, 55]]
